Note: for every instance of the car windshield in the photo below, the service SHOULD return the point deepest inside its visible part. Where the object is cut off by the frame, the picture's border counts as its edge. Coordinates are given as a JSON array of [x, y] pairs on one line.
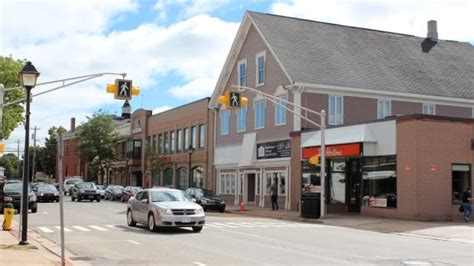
[[204, 192], [87, 185], [13, 187], [73, 181], [116, 188], [47, 188], [168, 195], [134, 189], [100, 186]]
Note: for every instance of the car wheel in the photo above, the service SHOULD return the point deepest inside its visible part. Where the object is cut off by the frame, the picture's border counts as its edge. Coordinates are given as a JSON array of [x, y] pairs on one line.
[[98, 199], [72, 198], [91, 200], [197, 229], [221, 210], [34, 210], [151, 222], [130, 220], [79, 198], [65, 193]]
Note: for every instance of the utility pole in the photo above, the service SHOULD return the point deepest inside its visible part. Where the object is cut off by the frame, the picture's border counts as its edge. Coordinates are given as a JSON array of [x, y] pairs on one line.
[[61, 192], [34, 154]]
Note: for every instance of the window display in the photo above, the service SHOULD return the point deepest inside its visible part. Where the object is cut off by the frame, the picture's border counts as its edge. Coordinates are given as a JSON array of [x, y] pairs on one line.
[[380, 181]]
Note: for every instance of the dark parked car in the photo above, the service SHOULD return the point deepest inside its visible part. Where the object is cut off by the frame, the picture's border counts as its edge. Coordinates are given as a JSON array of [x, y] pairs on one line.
[[46, 192], [113, 192], [11, 192], [86, 191], [206, 198], [101, 190], [129, 191]]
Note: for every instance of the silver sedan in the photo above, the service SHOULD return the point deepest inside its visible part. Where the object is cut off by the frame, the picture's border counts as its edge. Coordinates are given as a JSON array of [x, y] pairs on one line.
[[164, 207]]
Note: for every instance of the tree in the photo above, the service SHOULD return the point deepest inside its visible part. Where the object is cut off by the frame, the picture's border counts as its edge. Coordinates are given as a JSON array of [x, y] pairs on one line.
[[48, 158], [95, 139], [11, 163], [12, 114]]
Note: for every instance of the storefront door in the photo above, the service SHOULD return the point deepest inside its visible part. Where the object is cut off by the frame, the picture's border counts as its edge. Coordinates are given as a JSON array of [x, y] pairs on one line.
[[354, 178], [250, 187]]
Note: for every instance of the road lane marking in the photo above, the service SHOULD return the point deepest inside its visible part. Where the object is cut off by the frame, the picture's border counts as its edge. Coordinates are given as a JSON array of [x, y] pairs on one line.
[[134, 242], [241, 224], [45, 229], [225, 225], [96, 227], [65, 229], [198, 263], [45, 212], [111, 226], [213, 226], [80, 228]]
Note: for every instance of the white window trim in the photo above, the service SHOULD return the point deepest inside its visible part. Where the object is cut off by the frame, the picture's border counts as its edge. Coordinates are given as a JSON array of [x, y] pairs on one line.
[[429, 105], [342, 109], [264, 54], [237, 120], [389, 107], [255, 113], [228, 129], [243, 61], [276, 113]]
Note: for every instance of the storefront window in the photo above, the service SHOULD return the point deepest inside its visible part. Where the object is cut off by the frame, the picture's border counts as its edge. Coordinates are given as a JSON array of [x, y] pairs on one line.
[[198, 177], [279, 178], [311, 179], [241, 184], [380, 181], [182, 178], [168, 177], [337, 182], [227, 183], [461, 176], [258, 185]]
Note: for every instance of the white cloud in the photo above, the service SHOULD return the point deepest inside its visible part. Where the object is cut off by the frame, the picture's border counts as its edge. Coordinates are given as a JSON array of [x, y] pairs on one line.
[[408, 17], [161, 109], [189, 8], [197, 88]]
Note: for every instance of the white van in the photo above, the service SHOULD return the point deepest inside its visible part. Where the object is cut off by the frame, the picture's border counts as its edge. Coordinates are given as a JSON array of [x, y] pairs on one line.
[[69, 182]]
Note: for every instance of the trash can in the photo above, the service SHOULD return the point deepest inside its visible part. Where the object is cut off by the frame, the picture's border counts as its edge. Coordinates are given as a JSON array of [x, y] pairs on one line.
[[311, 205]]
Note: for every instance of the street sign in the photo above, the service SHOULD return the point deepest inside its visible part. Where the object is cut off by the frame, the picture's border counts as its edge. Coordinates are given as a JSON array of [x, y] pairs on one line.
[[234, 99], [124, 89]]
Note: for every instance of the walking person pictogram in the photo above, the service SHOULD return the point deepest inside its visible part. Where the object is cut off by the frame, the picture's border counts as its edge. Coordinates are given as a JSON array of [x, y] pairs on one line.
[[124, 90]]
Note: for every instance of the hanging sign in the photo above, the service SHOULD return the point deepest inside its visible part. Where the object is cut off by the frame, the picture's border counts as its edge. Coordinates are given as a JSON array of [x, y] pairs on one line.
[[333, 151]]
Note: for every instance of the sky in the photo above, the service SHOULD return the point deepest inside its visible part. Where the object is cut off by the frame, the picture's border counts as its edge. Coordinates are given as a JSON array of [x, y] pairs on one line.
[[173, 50]]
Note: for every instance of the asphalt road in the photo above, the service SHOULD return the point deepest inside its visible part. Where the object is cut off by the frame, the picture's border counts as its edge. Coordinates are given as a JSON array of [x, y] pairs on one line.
[[97, 234]]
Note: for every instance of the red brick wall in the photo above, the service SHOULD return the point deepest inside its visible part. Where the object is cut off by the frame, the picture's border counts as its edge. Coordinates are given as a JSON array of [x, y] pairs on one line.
[[295, 173]]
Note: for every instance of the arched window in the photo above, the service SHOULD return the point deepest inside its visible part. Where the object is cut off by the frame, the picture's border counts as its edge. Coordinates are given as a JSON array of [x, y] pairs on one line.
[[168, 177], [182, 178], [198, 176], [156, 179]]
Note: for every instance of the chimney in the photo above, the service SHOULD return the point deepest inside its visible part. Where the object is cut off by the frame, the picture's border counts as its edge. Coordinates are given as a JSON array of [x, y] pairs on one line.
[[432, 31], [73, 124]]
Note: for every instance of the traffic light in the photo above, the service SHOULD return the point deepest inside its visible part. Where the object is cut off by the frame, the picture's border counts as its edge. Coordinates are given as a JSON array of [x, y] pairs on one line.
[[123, 89], [232, 100], [314, 160]]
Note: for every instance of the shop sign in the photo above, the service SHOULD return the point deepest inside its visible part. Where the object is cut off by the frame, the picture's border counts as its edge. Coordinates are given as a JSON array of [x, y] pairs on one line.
[[374, 202], [274, 149], [333, 151]]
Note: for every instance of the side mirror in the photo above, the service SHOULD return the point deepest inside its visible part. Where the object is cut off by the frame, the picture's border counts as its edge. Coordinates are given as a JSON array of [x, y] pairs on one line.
[[193, 200], [144, 201]]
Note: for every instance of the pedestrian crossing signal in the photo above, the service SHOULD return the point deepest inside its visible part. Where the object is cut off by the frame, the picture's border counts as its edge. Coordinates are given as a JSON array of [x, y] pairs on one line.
[[123, 89], [314, 160], [232, 100]]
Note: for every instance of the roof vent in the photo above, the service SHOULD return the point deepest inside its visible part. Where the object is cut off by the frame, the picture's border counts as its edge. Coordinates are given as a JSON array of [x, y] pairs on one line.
[[432, 31]]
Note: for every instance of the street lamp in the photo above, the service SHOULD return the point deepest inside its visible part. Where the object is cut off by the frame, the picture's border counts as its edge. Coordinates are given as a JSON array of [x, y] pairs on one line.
[[28, 76], [190, 174]]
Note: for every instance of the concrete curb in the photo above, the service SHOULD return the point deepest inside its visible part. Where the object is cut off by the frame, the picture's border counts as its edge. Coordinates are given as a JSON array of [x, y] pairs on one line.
[[284, 218]]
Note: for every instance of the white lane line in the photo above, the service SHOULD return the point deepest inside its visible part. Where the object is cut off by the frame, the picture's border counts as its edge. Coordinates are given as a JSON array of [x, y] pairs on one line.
[[80, 228], [241, 224], [45, 212], [198, 263], [213, 226], [225, 225], [111, 226], [45, 229], [256, 224], [98, 228], [65, 229], [134, 242]]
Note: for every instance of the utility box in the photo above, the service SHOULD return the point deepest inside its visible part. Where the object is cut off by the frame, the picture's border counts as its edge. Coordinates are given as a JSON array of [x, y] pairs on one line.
[[311, 205]]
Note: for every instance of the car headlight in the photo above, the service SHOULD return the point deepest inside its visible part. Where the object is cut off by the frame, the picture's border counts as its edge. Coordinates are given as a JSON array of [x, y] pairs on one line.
[[166, 211], [222, 202], [199, 211], [204, 201], [81, 191], [41, 194], [56, 194]]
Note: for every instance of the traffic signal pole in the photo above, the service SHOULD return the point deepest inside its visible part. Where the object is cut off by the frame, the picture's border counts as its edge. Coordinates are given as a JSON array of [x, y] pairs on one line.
[[321, 126]]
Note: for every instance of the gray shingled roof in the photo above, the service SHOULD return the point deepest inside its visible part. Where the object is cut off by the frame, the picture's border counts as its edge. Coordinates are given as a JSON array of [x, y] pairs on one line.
[[323, 53]]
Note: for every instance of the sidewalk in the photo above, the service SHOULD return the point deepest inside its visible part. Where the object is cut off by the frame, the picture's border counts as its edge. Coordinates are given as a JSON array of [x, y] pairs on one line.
[[39, 251], [447, 231]]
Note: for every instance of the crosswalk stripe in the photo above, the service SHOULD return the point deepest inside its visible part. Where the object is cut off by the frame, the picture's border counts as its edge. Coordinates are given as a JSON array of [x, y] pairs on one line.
[[267, 224], [98, 228], [65, 229], [80, 228], [213, 226], [225, 225], [45, 229], [241, 224], [257, 224], [111, 226]]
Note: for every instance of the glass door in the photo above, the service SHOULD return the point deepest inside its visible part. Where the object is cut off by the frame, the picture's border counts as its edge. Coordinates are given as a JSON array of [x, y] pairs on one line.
[[354, 178]]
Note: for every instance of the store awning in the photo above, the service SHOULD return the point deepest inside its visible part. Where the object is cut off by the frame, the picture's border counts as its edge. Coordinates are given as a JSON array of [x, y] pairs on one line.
[[247, 151], [340, 135]]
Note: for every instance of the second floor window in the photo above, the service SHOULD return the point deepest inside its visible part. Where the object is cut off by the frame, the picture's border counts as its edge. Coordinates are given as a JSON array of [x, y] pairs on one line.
[[202, 135], [173, 141], [242, 119], [383, 109], [186, 139], [280, 110], [335, 110], [180, 140], [243, 73], [429, 109], [167, 142], [260, 68], [194, 137], [154, 144], [160, 144], [259, 114], [225, 122]]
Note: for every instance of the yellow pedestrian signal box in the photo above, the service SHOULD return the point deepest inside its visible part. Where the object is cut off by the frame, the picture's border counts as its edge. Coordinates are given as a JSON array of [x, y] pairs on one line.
[[314, 160], [232, 100], [123, 89], [2, 148]]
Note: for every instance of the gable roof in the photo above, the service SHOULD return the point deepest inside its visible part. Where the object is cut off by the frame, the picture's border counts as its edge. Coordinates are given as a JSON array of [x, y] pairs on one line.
[[314, 52]]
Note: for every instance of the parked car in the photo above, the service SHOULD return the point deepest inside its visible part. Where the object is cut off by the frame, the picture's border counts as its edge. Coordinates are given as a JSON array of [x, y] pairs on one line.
[[11, 192], [113, 192], [129, 191], [101, 190], [46, 192], [69, 182], [206, 198], [164, 207], [86, 191]]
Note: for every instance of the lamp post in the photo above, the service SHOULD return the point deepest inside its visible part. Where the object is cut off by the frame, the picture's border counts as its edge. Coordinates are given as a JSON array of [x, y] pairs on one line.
[[190, 173], [28, 76]]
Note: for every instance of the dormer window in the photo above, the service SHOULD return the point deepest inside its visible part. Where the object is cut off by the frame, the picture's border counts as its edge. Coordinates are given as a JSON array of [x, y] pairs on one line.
[[260, 67], [242, 72]]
